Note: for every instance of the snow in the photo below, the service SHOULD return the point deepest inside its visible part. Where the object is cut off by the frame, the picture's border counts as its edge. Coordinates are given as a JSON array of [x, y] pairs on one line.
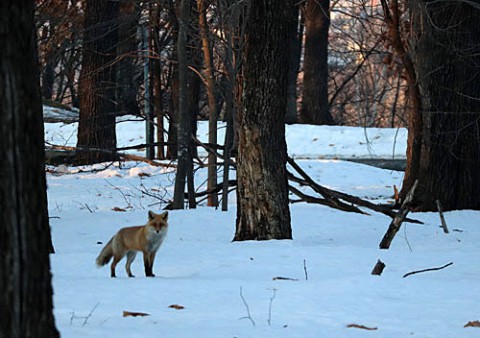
[[304, 141], [226, 287]]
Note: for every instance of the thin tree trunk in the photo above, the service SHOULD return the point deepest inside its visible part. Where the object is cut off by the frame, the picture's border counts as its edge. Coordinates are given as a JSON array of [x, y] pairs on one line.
[[157, 82], [48, 76], [229, 115], [25, 279], [212, 107], [184, 133], [295, 52]]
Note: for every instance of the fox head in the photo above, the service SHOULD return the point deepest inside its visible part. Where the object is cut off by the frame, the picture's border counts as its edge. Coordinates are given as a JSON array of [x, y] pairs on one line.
[[157, 222]]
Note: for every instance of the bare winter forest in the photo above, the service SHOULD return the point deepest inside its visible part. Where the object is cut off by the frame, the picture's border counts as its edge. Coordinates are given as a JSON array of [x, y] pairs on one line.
[[251, 66]]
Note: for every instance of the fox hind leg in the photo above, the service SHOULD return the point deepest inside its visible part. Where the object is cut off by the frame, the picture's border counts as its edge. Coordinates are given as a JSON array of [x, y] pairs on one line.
[[130, 258], [115, 261]]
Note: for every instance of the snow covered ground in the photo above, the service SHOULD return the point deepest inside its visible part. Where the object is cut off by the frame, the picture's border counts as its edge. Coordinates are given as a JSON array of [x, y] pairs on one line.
[[231, 289], [304, 141]]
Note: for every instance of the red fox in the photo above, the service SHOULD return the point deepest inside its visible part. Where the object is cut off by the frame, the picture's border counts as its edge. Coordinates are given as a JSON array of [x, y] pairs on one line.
[[127, 241]]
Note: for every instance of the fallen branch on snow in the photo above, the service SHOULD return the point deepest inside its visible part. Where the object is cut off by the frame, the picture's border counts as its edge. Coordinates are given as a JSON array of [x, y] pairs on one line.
[[425, 270]]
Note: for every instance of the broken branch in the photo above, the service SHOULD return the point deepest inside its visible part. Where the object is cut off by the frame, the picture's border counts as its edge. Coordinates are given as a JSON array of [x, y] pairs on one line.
[[425, 270]]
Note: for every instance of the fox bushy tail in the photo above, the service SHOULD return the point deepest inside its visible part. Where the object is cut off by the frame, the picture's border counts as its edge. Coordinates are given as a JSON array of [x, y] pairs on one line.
[[106, 254]]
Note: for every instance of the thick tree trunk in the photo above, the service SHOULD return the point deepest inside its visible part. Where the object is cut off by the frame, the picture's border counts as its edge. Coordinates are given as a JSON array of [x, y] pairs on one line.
[[446, 55], [315, 107], [262, 194], [127, 85], [25, 279], [96, 128]]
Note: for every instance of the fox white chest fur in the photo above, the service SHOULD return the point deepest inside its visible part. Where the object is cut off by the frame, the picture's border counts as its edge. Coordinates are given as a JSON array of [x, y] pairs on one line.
[[155, 239]]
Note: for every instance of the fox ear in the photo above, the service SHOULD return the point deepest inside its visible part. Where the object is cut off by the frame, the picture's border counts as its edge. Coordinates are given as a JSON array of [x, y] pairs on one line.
[[151, 215], [165, 215]]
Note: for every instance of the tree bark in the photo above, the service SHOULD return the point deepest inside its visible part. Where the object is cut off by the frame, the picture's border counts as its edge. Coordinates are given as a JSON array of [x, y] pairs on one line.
[[445, 49], [315, 107], [185, 124], [397, 39], [262, 195], [25, 279], [295, 53], [127, 85], [212, 106], [96, 128]]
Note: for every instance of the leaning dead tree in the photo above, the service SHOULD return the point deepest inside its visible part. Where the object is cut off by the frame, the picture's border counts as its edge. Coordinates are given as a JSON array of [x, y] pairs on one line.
[[399, 218], [332, 198]]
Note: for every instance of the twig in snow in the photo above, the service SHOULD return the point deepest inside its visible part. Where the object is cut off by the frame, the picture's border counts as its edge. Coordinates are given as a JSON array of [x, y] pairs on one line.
[[305, 269], [86, 318], [88, 208], [284, 278], [127, 200], [269, 320], [442, 218], [90, 314], [425, 270], [249, 316], [406, 238]]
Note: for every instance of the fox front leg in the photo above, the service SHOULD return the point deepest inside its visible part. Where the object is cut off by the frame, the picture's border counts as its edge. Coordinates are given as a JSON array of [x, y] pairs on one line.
[[148, 262]]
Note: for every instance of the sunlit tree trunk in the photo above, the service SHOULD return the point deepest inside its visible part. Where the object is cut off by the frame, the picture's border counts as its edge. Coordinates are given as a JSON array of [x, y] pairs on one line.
[[212, 106]]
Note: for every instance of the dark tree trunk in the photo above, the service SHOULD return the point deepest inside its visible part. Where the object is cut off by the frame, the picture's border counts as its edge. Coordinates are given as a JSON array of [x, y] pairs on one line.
[[446, 55], [25, 279], [96, 129], [230, 112], [159, 42], [315, 108], [185, 125], [127, 83], [48, 77], [295, 53], [172, 141], [262, 192]]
